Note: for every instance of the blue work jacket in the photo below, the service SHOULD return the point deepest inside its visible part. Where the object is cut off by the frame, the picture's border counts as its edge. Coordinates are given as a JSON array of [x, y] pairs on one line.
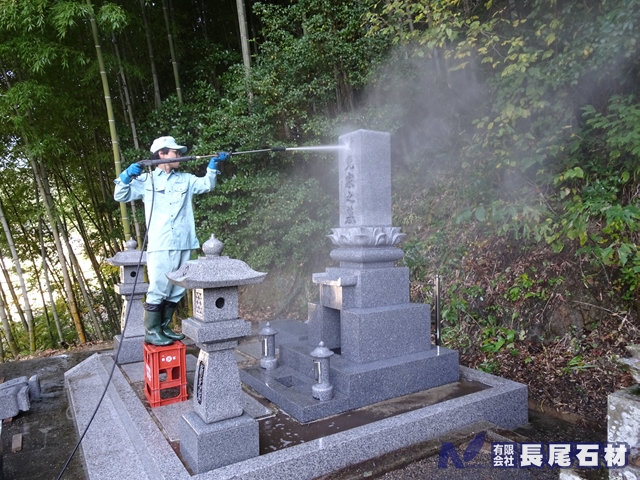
[[172, 226]]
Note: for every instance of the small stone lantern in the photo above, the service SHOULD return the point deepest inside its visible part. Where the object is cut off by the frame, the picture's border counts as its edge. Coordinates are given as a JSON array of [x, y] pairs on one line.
[[268, 360], [217, 432], [132, 288], [322, 389]]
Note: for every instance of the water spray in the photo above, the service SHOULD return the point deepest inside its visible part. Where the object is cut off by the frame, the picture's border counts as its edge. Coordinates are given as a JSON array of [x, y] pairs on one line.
[[319, 148]]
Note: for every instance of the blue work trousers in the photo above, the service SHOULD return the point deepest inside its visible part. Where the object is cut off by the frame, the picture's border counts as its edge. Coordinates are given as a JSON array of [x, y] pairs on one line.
[[158, 265]]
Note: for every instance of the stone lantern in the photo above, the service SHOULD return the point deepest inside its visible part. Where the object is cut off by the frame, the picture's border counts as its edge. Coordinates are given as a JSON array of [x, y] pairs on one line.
[[217, 432], [268, 360], [132, 288]]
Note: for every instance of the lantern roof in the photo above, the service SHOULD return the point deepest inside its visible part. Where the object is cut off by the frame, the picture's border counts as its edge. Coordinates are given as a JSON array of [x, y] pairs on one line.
[[214, 270], [129, 257]]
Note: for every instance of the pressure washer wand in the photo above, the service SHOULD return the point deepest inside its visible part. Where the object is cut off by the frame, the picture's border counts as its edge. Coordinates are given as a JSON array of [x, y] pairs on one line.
[[149, 163], [160, 161], [272, 149], [318, 148]]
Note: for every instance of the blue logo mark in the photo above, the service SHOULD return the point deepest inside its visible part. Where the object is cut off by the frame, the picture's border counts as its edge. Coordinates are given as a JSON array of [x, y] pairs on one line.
[[448, 452]]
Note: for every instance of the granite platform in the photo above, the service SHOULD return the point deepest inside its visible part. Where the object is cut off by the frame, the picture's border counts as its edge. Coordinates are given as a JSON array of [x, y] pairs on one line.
[[290, 387], [127, 439]]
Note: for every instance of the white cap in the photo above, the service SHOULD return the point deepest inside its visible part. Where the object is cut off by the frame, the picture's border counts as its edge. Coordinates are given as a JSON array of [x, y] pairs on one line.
[[166, 142]]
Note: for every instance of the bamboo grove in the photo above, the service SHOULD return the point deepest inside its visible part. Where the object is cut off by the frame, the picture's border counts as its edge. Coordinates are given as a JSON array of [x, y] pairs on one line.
[[528, 110]]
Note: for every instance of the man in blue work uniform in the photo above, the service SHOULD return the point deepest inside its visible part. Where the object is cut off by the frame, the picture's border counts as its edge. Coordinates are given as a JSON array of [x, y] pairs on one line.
[[171, 231]]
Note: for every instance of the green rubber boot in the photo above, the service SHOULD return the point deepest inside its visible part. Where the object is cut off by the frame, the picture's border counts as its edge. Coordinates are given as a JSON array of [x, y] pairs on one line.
[[153, 327], [167, 315]]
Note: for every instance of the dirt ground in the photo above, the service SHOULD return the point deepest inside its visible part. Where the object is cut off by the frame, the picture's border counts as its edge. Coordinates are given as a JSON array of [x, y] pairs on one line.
[[48, 432]]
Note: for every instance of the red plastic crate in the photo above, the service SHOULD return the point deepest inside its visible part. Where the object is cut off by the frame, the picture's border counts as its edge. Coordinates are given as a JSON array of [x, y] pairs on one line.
[[165, 368]]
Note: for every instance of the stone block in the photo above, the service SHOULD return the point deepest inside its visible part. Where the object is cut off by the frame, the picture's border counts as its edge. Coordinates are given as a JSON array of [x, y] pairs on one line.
[[365, 179], [367, 256], [215, 304], [16, 395], [14, 382], [35, 391], [391, 378], [130, 351], [374, 288], [369, 334], [201, 332], [354, 385], [131, 291], [379, 380], [337, 297], [133, 314], [324, 326], [217, 392], [207, 446], [13, 399]]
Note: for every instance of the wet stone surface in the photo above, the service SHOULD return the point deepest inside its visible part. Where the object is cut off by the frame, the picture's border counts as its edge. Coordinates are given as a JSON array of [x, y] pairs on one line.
[[283, 431], [49, 433]]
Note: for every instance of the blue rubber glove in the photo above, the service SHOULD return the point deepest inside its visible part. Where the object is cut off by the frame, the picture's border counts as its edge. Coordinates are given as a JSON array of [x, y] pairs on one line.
[[222, 156], [130, 173]]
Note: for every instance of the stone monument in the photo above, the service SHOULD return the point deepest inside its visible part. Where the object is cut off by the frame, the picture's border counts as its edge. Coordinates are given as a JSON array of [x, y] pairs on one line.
[[217, 432], [132, 288], [380, 340]]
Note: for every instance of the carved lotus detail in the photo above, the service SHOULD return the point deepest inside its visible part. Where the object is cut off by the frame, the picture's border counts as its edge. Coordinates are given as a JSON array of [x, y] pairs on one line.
[[366, 236]]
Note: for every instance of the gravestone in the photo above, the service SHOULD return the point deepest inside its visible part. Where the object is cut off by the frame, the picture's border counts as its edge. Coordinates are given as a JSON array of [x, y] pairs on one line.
[[380, 339]]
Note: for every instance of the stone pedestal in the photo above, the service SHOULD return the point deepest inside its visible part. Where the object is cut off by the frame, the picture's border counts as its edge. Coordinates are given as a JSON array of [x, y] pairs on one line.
[[216, 432], [132, 288], [206, 446], [217, 393]]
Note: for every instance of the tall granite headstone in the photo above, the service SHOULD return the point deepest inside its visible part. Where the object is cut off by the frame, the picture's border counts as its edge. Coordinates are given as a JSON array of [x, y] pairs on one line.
[[381, 340], [364, 304]]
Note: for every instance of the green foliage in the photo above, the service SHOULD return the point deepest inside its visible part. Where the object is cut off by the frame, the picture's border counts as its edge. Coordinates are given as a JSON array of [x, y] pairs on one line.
[[489, 366], [551, 152], [576, 364], [496, 338], [600, 191], [314, 56]]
